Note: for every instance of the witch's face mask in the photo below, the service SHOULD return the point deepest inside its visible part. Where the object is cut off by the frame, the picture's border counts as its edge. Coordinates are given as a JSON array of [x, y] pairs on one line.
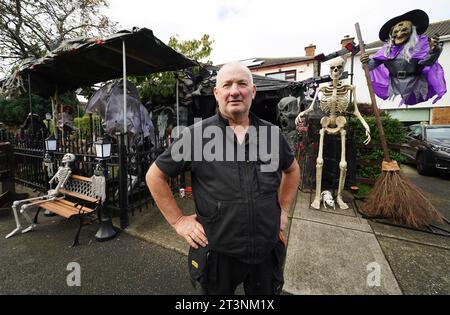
[[401, 32]]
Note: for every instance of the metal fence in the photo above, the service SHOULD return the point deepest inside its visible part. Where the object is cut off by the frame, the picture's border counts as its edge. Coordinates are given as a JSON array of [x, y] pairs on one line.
[[125, 170]]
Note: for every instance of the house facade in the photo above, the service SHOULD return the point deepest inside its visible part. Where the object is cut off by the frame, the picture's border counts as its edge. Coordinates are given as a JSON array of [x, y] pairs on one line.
[[289, 69]]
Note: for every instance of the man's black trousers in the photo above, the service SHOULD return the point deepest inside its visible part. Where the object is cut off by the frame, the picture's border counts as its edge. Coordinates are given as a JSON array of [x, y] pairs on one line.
[[223, 274]]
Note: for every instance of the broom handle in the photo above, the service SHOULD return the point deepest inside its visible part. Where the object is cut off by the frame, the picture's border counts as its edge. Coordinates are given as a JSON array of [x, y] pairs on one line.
[[383, 142]]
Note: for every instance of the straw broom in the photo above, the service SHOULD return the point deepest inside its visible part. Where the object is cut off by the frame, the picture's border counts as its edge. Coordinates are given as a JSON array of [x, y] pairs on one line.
[[393, 195]]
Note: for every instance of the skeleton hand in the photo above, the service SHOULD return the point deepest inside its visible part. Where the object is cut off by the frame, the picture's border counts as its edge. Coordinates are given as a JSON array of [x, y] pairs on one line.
[[366, 142], [364, 58], [299, 118]]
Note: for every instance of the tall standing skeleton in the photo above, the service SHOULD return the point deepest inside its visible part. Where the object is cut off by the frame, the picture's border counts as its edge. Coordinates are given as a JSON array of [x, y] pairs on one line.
[[334, 100], [61, 177]]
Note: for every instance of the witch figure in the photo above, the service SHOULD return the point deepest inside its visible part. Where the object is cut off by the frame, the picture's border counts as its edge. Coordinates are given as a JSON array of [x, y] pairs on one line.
[[407, 64]]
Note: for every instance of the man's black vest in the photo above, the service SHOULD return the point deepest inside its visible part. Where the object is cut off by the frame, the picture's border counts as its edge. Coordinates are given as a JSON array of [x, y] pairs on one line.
[[236, 202]]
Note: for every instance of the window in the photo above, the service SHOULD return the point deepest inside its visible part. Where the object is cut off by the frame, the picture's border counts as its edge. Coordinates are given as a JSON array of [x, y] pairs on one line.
[[438, 133], [284, 75]]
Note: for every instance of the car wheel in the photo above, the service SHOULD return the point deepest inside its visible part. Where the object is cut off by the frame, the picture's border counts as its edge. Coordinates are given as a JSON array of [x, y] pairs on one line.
[[422, 167]]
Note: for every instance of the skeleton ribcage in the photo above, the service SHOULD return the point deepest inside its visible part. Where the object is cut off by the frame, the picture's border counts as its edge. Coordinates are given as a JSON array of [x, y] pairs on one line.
[[334, 104], [62, 174]]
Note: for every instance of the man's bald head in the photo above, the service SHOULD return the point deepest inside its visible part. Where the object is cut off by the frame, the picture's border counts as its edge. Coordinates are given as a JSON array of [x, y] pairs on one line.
[[233, 66], [234, 91]]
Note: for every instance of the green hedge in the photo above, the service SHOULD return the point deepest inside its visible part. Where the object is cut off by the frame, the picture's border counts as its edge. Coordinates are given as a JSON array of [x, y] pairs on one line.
[[395, 134], [83, 123]]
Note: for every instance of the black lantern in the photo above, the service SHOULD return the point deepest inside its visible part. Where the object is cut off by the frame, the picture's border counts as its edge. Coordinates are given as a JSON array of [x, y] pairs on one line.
[[103, 148], [50, 144]]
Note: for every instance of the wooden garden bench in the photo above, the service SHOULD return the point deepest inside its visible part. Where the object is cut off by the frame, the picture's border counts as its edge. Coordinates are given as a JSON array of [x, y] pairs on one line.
[[77, 200]]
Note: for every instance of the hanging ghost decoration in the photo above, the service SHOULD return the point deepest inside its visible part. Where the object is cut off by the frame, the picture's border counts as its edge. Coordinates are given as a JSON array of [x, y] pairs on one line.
[[107, 102]]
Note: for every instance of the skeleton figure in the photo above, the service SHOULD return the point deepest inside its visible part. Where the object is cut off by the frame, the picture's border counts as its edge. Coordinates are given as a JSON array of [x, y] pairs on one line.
[[334, 100], [61, 177]]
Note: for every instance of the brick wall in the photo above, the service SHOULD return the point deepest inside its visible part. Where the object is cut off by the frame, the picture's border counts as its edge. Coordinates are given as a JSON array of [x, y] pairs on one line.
[[441, 116]]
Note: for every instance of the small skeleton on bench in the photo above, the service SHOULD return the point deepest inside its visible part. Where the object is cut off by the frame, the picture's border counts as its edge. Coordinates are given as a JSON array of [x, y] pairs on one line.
[[54, 200]]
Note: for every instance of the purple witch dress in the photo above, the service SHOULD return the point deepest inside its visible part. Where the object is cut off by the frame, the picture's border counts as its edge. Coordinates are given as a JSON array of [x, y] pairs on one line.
[[416, 80]]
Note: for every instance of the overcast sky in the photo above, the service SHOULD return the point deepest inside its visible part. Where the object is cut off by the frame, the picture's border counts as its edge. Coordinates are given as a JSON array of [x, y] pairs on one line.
[[278, 28]]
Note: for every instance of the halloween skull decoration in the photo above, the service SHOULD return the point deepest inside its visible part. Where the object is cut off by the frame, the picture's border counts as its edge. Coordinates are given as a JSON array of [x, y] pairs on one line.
[[401, 32], [68, 158], [337, 68], [288, 109]]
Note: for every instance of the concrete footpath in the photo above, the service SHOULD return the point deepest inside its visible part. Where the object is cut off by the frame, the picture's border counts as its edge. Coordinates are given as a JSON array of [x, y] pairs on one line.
[[334, 252], [339, 252]]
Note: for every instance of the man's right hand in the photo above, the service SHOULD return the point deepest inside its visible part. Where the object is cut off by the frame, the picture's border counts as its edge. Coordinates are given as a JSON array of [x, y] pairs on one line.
[[192, 231], [364, 58]]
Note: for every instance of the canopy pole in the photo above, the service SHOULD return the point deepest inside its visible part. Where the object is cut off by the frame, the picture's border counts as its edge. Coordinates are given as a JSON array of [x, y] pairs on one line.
[[29, 100], [61, 108], [124, 61], [55, 113], [178, 106], [352, 63], [79, 120]]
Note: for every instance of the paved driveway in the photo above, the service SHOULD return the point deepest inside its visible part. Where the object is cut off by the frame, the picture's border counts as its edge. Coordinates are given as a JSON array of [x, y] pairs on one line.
[[419, 260], [36, 262]]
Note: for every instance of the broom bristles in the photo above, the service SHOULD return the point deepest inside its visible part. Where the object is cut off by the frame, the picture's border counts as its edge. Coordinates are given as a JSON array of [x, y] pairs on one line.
[[394, 196]]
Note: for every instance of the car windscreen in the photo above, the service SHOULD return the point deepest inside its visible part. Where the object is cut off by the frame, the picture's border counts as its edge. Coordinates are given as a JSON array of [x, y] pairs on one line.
[[438, 133]]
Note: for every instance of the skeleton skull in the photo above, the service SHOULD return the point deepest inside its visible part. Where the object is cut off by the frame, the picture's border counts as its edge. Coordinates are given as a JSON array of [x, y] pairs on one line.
[[327, 199], [401, 32], [337, 68], [67, 158]]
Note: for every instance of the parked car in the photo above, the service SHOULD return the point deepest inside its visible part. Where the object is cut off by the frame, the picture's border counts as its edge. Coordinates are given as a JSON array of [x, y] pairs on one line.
[[428, 146]]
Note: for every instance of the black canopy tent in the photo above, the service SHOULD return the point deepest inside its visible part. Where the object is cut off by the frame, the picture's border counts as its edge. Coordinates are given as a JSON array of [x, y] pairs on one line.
[[86, 61], [83, 62]]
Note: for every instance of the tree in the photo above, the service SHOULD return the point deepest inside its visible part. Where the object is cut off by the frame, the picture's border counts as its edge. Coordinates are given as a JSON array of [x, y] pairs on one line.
[[162, 84], [196, 49], [13, 111], [31, 28]]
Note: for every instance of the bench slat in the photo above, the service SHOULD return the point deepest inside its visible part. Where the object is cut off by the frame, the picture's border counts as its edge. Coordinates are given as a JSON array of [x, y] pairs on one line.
[[72, 205], [82, 178], [77, 195], [68, 207], [69, 203], [63, 209]]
